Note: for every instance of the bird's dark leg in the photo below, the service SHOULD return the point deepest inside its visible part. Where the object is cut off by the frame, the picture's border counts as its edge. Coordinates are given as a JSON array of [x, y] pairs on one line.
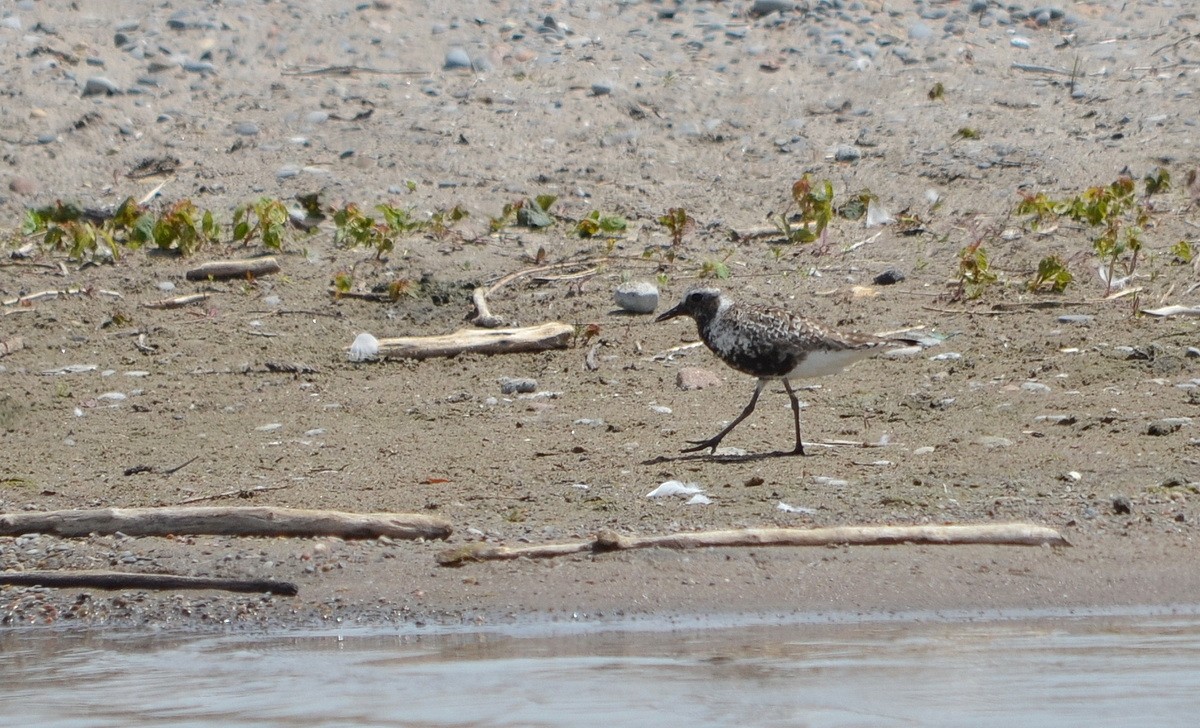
[[712, 442], [796, 413]]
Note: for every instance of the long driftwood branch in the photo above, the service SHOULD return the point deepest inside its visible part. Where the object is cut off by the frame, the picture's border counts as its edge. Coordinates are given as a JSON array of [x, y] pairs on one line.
[[224, 521], [116, 580], [224, 269], [553, 335], [1005, 534]]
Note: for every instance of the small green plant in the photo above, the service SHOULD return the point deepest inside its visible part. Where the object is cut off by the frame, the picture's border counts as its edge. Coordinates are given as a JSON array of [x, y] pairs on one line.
[[1052, 273], [81, 240], [353, 228], [975, 273], [714, 269], [594, 223], [967, 132], [1183, 252], [442, 221], [1114, 211], [678, 223], [937, 92], [1041, 207], [343, 283], [182, 227], [266, 219], [855, 208], [401, 287], [811, 207], [1157, 182]]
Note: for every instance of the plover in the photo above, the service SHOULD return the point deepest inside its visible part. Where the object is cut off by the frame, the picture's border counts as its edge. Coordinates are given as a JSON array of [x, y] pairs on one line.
[[770, 343]]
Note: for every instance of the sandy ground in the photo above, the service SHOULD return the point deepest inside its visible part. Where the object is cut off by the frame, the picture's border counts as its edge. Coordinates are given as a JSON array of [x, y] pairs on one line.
[[1082, 424]]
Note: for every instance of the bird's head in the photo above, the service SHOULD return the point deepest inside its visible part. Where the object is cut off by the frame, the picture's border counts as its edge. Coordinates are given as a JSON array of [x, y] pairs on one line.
[[699, 303]]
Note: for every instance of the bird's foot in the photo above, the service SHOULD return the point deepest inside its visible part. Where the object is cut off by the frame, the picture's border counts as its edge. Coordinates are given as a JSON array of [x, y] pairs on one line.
[[698, 445]]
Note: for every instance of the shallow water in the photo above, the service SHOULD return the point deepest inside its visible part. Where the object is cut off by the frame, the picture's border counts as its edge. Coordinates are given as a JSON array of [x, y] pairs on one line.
[[1065, 671]]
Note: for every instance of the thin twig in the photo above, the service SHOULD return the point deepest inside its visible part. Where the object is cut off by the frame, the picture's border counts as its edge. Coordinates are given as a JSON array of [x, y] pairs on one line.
[[239, 492]]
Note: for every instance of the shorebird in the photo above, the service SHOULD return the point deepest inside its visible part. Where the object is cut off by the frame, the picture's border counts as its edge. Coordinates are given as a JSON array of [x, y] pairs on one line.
[[770, 343]]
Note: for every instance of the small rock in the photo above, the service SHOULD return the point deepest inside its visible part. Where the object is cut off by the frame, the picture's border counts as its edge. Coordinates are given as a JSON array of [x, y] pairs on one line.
[[762, 8], [23, 186], [100, 86], [1191, 353], [992, 442], [602, 88], [246, 128], [203, 68], [517, 385], [1121, 505], [1019, 42], [1075, 318], [1035, 387], [456, 58], [637, 296], [919, 32], [690, 378], [846, 153], [889, 277], [1165, 426]]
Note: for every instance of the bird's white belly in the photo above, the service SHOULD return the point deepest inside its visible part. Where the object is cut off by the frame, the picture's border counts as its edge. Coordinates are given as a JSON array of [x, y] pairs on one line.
[[824, 362]]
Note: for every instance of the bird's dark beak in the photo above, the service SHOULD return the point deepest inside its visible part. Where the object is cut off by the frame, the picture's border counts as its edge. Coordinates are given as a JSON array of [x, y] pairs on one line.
[[677, 311]]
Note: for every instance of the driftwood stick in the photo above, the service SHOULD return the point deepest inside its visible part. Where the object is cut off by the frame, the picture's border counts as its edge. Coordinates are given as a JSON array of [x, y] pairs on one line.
[[177, 302], [1003, 534], [224, 521], [116, 580], [482, 316], [225, 269], [8, 346], [553, 335], [55, 293]]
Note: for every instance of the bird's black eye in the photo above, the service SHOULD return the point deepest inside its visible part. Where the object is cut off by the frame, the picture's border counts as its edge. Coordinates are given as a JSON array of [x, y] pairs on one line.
[[695, 297]]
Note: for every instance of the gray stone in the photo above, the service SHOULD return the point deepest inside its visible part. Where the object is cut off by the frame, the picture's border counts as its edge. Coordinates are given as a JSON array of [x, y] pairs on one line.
[[1075, 318], [761, 8], [246, 128], [846, 153], [100, 86], [637, 296], [457, 58], [517, 385]]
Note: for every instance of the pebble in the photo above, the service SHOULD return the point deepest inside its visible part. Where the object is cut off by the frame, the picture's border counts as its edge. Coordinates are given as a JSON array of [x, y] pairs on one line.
[[693, 378], [761, 8], [246, 128], [1122, 506], [992, 442], [1035, 387], [846, 153], [889, 277], [23, 186], [1166, 426], [1075, 318], [456, 58], [636, 296], [517, 385], [602, 88], [1018, 41], [100, 86], [203, 68]]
